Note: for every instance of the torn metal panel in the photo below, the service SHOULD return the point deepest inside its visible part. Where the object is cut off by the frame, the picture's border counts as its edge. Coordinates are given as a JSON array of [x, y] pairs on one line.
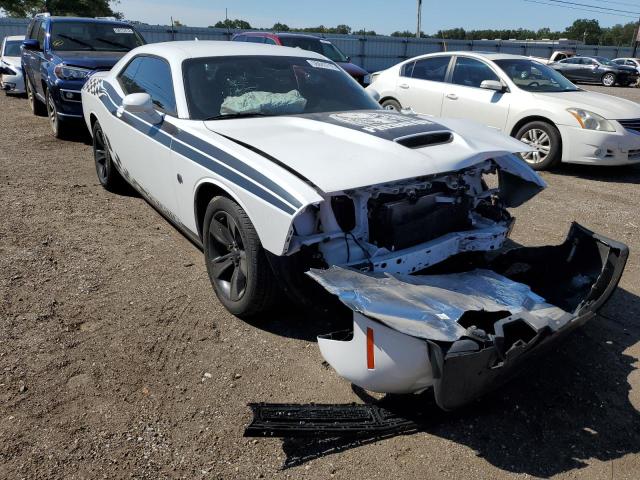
[[429, 306]]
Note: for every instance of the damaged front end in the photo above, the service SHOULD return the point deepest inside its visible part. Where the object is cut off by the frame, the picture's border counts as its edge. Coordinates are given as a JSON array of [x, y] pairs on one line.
[[438, 298]]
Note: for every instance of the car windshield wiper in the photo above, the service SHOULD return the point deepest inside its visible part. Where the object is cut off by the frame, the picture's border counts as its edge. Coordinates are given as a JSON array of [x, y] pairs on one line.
[[115, 44], [239, 115], [80, 42]]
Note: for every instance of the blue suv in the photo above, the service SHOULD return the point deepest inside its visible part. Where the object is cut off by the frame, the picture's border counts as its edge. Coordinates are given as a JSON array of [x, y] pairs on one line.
[[60, 53]]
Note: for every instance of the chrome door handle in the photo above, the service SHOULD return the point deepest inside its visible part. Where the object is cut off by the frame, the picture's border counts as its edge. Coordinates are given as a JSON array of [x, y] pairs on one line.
[[404, 85], [452, 96]]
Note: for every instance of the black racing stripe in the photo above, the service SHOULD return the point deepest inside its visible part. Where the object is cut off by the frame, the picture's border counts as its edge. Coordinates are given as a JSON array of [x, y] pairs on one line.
[[219, 155], [163, 136]]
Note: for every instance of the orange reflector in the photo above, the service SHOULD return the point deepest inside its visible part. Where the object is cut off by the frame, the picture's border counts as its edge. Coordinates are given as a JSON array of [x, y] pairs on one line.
[[370, 360]]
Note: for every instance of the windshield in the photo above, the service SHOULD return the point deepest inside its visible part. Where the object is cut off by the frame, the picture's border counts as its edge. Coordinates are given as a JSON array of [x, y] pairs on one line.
[[605, 61], [323, 47], [219, 87], [66, 36], [12, 48], [532, 76]]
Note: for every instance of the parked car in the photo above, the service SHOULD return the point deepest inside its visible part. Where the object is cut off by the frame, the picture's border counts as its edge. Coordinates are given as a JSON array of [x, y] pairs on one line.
[[555, 56], [596, 70], [58, 55], [307, 42], [277, 164], [11, 78], [629, 62], [521, 98]]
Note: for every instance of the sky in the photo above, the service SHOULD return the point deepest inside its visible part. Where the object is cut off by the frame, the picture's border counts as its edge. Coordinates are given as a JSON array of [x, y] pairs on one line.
[[383, 16]]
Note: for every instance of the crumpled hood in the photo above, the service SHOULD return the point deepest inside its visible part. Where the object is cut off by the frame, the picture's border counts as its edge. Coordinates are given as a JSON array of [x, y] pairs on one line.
[[13, 61], [610, 107], [341, 151], [91, 60]]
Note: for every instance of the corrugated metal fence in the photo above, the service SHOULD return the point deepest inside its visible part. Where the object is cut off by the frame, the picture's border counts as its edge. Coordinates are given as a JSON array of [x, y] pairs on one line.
[[370, 52]]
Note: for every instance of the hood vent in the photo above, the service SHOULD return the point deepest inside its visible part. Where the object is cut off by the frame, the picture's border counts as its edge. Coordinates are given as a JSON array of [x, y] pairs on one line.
[[421, 140]]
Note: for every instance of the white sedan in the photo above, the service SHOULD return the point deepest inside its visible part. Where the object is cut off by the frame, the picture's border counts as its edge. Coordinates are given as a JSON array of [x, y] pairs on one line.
[[11, 76], [279, 164], [629, 62], [522, 98]]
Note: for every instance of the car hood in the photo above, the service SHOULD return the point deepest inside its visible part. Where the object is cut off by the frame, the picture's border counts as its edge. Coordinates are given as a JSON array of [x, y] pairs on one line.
[[352, 69], [610, 107], [92, 60], [345, 150]]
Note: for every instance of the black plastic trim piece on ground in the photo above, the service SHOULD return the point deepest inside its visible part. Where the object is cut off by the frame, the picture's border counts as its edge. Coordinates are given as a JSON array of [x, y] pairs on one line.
[[311, 420]]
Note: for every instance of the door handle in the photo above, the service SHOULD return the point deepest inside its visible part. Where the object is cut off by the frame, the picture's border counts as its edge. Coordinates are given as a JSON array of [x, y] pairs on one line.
[[404, 85], [452, 96]]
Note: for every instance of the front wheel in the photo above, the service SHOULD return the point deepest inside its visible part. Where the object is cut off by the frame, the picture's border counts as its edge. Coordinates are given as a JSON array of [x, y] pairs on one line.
[[608, 79], [59, 127], [391, 104], [546, 140], [107, 172], [237, 265], [35, 105]]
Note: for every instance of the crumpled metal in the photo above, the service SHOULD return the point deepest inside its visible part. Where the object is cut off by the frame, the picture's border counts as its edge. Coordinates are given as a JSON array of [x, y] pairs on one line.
[[427, 306]]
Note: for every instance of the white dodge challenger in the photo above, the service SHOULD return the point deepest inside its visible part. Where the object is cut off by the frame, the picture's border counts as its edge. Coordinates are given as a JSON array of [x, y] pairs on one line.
[[290, 176]]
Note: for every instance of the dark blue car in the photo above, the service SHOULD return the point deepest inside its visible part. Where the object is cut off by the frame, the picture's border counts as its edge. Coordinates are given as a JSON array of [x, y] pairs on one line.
[[60, 53]]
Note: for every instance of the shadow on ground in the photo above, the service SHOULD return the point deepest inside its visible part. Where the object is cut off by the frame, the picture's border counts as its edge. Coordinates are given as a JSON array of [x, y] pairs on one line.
[[619, 174], [571, 406]]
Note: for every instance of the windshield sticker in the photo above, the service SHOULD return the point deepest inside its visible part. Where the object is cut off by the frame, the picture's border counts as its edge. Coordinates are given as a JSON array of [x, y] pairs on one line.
[[123, 30], [379, 122], [58, 42], [325, 65]]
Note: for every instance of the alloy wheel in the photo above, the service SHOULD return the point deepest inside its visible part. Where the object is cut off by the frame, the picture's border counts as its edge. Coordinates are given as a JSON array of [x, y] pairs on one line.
[[229, 258], [538, 139], [100, 155], [609, 79], [52, 114]]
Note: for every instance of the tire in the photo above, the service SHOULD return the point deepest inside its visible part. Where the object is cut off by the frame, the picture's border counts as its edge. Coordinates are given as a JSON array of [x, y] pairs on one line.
[[60, 128], [108, 175], [237, 265], [37, 107], [391, 104], [541, 134], [609, 79]]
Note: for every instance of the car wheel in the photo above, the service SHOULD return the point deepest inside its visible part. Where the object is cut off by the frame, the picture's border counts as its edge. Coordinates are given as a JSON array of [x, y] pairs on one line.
[[608, 79], [391, 104], [545, 138], [59, 127], [238, 268], [36, 106], [108, 174]]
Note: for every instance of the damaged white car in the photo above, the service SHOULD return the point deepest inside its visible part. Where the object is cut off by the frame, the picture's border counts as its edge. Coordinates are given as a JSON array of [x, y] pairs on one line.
[[283, 168]]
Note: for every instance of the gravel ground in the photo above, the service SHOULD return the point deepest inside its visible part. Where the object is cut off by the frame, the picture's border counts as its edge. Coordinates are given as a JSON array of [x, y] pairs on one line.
[[116, 360]]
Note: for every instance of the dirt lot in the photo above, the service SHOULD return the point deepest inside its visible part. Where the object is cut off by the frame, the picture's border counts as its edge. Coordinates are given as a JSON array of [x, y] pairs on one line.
[[117, 361]]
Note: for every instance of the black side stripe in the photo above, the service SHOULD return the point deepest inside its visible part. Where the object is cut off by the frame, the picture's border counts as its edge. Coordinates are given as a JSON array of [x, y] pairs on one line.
[[188, 145]]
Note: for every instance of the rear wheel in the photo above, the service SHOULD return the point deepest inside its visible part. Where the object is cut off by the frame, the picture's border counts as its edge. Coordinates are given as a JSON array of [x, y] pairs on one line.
[[37, 107], [608, 79], [236, 262], [391, 104], [107, 172], [545, 138]]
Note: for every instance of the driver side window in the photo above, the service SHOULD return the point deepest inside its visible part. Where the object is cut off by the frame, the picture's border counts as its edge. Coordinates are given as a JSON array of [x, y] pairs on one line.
[[150, 75], [471, 72]]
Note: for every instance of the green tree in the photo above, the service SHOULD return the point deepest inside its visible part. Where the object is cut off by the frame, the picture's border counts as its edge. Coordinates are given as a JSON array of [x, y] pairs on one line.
[[585, 30], [343, 29], [405, 33], [80, 8], [178, 23], [237, 23], [280, 27]]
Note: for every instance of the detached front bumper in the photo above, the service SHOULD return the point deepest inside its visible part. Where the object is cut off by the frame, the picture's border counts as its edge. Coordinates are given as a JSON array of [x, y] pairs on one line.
[[13, 83], [621, 147], [396, 349]]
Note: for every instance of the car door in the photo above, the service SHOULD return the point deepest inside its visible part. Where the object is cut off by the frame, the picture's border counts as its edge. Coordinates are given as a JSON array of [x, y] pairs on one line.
[[465, 99], [590, 70], [144, 149], [569, 68], [30, 57], [421, 86]]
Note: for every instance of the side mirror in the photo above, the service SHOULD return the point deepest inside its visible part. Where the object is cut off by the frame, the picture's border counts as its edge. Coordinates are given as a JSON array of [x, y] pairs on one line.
[[31, 44], [493, 85], [140, 104]]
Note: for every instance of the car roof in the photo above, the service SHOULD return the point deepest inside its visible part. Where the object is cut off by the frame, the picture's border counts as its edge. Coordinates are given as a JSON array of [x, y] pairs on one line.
[[486, 55], [15, 37], [84, 20], [283, 34], [215, 48]]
